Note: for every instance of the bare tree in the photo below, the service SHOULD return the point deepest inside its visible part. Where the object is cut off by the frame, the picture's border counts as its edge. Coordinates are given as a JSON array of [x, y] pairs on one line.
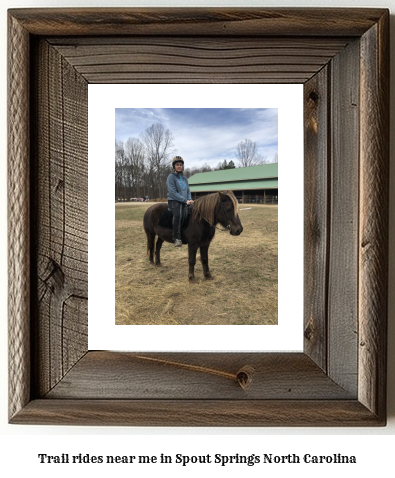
[[194, 170], [261, 160], [206, 168], [135, 154], [120, 191], [159, 148], [247, 154]]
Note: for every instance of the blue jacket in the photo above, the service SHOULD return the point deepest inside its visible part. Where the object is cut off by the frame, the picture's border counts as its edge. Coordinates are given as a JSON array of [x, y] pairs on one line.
[[178, 188]]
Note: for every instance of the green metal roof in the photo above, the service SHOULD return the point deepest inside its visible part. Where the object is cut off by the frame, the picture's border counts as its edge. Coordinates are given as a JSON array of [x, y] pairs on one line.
[[235, 185], [264, 171]]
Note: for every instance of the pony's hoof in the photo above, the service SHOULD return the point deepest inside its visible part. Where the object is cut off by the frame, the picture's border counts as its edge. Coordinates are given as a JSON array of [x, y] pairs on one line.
[[210, 277], [158, 264], [192, 280]]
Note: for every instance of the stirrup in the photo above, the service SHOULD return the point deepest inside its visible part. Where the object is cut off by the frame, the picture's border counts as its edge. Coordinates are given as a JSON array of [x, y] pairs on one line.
[[177, 243]]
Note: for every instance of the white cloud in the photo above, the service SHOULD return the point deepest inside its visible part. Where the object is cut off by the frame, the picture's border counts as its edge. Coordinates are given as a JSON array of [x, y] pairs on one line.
[[205, 135]]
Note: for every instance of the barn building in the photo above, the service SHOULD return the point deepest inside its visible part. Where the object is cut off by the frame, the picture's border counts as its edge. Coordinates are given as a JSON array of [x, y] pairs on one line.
[[254, 184]]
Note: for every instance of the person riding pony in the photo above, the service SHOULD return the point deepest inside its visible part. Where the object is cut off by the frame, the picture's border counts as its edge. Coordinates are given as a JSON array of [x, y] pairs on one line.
[[178, 196]]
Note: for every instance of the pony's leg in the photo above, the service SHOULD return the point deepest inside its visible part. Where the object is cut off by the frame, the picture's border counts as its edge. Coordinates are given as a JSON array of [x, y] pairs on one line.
[[151, 247], [204, 259], [159, 243], [192, 250]]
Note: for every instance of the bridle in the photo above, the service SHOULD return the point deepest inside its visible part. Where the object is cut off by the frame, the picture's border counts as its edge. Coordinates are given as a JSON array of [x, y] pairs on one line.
[[226, 217]]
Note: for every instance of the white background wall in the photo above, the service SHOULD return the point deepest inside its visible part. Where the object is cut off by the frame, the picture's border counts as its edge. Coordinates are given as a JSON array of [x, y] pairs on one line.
[[21, 444]]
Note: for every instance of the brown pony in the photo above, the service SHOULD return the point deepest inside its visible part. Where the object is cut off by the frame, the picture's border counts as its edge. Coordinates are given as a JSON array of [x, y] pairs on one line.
[[206, 212]]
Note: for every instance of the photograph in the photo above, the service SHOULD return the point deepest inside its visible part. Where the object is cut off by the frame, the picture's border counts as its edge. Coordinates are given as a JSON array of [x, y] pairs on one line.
[[196, 216]]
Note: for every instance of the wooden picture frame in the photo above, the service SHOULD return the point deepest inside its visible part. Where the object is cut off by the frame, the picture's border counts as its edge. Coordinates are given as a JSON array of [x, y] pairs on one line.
[[342, 58]]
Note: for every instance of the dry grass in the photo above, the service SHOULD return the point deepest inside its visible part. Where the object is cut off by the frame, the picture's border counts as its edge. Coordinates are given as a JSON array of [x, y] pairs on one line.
[[244, 290]]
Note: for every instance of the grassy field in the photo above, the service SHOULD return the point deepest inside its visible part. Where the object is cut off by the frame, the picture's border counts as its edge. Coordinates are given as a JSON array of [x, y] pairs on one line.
[[244, 290]]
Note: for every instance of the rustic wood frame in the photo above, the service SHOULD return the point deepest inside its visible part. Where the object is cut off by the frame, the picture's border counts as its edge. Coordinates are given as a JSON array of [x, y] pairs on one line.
[[342, 58]]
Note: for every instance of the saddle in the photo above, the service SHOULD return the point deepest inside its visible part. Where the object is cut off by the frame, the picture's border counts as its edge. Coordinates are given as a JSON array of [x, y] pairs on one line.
[[166, 219]]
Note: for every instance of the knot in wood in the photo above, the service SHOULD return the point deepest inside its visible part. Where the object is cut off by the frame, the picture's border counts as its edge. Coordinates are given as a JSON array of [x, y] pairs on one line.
[[244, 376], [313, 96], [309, 331]]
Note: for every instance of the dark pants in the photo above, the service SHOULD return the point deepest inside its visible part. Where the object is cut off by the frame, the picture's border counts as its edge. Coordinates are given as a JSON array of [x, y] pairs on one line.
[[176, 208]]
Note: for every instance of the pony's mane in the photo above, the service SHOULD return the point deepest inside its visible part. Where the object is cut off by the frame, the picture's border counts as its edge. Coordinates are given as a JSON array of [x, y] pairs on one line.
[[205, 205]]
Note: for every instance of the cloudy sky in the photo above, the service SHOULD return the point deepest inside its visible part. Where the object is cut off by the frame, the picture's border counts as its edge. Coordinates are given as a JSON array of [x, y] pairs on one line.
[[205, 135]]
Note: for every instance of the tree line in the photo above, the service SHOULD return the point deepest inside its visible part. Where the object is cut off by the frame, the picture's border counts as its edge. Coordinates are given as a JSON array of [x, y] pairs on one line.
[[143, 164]]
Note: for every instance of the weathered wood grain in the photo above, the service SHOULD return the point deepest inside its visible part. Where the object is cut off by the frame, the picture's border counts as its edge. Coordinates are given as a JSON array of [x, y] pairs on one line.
[[373, 227], [61, 221], [196, 376], [202, 413], [259, 22], [316, 214], [346, 289], [18, 218], [343, 255], [136, 60]]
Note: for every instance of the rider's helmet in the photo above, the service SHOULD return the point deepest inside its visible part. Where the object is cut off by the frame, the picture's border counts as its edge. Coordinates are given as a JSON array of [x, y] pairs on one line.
[[177, 159]]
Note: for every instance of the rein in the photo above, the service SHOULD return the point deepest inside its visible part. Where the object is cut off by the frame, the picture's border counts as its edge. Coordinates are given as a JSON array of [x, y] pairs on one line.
[[222, 230]]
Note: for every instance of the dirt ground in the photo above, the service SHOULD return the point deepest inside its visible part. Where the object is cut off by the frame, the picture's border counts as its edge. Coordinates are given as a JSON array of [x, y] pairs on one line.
[[244, 290]]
